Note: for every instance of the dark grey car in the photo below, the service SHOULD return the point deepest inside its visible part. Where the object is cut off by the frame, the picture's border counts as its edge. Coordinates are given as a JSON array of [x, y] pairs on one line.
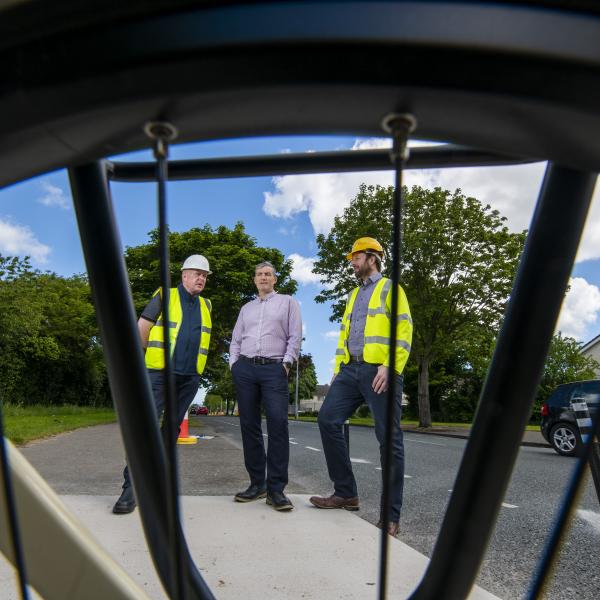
[[558, 424]]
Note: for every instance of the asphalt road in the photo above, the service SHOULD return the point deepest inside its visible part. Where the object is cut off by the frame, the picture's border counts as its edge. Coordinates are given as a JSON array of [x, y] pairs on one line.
[[432, 462]]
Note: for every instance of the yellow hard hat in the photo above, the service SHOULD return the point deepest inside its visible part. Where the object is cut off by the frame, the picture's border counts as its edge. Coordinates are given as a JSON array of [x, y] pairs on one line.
[[365, 244]]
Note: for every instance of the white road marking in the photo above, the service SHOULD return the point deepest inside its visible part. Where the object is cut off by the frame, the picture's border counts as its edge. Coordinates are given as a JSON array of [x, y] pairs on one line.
[[423, 442], [295, 443], [361, 461], [265, 435], [405, 477], [311, 448], [591, 517], [506, 505]]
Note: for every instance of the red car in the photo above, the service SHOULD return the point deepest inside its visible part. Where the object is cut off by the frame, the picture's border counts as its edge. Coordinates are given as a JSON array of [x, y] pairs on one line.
[[202, 410]]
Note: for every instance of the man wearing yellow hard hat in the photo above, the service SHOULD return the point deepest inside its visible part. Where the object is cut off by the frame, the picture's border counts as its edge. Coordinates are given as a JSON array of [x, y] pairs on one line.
[[361, 375]]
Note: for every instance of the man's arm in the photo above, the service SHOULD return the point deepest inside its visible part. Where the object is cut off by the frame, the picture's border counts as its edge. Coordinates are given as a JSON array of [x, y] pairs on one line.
[[294, 340], [144, 327], [236, 340]]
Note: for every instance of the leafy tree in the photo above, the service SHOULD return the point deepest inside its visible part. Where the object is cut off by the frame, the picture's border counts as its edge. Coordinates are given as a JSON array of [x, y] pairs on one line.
[[232, 255], [307, 382], [564, 364], [213, 402], [48, 338], [458, 263]]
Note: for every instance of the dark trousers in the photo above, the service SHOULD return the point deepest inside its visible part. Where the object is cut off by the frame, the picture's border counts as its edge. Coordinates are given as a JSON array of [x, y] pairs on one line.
[[186, 387], [351, 387], [266, 385]]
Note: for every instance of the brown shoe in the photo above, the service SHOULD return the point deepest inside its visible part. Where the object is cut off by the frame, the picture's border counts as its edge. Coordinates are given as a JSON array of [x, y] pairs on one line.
[[334, 501], [393, 528]]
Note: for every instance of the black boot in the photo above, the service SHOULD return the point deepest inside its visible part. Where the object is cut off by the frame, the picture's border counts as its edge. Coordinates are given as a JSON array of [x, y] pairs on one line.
[[126, 502]]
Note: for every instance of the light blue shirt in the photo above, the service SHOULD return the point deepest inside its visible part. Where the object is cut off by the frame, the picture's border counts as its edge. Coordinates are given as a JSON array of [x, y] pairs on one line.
[[356, 338]]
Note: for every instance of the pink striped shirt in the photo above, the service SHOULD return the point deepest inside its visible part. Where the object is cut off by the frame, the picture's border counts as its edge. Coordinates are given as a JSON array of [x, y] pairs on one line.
[[271, 328]]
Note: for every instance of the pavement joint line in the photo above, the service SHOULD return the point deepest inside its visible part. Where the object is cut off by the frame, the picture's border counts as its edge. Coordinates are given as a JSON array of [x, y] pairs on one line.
[[314, 449]]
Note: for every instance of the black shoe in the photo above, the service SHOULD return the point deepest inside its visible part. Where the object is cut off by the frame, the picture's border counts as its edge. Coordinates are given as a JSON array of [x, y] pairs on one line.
[[254, 492], [126, 502], [279, 501]]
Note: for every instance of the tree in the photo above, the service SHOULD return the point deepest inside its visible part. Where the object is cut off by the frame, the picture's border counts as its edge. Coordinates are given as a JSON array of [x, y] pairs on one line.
[[48, 338], [564, 364], [232, 255], [458, 263], [307, 383]]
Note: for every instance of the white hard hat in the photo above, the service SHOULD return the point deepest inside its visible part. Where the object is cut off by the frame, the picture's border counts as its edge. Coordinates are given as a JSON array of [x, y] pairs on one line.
[[196, 261]]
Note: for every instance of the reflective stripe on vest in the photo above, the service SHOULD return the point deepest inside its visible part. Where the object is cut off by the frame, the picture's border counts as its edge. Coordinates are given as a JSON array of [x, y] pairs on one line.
[[155, 357], [377, 328]]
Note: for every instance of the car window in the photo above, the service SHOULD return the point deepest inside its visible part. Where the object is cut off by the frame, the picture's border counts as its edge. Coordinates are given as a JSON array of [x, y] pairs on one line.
[[588, 391]]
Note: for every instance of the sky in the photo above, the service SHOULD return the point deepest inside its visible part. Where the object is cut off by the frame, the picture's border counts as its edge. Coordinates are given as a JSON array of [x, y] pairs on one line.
[[37, 219]]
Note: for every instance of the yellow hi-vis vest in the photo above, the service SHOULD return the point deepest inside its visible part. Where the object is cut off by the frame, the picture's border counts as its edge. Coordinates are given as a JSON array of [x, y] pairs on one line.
[[377, 328], [155, 357]]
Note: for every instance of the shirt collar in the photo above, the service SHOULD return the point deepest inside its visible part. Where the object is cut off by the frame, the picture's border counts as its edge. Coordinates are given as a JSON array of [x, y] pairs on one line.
[[184, 294], [372, 279], [267, 297]]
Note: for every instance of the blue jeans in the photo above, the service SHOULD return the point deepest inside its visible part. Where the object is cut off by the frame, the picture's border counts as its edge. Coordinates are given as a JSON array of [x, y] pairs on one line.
[[351, 387], [186, 387], [265, 385]]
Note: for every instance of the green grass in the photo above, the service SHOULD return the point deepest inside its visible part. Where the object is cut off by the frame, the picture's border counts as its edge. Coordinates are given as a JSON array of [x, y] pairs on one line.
[[23, 424], [368, 422]]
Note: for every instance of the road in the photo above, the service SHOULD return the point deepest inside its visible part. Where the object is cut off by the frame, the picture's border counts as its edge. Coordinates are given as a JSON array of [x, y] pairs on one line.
[[432, 462]]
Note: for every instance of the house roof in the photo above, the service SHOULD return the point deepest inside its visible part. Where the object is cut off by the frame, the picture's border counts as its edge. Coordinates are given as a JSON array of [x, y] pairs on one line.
[[589, 345]]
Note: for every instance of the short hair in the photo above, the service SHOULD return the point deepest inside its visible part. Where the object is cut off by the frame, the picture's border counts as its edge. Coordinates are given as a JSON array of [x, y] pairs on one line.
[[265, 263]]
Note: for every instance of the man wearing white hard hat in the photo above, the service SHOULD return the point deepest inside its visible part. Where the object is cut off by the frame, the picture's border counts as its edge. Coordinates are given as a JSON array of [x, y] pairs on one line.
[[189, 327]]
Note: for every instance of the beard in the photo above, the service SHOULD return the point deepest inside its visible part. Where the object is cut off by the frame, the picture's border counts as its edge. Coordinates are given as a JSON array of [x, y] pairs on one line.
[[363, 271]]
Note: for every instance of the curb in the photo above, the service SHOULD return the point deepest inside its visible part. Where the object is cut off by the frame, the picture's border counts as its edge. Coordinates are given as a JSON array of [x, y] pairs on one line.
[[466, 437]]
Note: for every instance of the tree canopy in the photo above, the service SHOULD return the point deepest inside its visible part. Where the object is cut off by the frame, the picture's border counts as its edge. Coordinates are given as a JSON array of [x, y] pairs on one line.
[[458, 263], [48, 338]]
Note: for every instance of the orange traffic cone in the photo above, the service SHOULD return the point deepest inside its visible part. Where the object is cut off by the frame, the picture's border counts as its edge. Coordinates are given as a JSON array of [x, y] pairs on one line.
[[184, 432]]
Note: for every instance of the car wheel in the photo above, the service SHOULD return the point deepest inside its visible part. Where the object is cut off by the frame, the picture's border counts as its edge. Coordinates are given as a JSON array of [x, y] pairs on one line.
[[564, 438]]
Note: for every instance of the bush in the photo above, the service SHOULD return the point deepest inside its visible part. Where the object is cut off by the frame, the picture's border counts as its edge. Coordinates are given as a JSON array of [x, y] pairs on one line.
[[363, 411]]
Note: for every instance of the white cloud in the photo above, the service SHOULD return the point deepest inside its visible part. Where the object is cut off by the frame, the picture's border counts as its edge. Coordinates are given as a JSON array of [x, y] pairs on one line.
[[331, 335], [580, 309], [511, 190], [302, 269], [19, 240], [54, 196]]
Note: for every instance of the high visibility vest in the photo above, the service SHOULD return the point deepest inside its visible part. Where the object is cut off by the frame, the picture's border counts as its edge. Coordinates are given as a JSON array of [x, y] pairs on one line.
[[155, 358], [377, 328]]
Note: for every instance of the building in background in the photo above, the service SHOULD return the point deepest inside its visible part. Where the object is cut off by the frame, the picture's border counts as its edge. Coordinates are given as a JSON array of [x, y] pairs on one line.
[[592, 348]]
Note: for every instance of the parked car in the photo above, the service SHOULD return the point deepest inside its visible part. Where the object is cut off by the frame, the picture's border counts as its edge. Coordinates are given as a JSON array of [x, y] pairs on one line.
[[194, 409], [558, 424], [202, 410]]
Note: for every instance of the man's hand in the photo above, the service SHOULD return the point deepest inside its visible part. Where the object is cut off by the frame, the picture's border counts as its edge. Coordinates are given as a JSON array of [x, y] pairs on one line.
[[380, 382], [287, 369]]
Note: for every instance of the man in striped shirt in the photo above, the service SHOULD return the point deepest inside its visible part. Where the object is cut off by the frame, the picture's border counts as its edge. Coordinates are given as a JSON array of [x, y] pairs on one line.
[[264, 345]]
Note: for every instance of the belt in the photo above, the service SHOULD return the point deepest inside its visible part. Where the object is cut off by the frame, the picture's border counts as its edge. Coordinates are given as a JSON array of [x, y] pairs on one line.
[[356, 359], [260, 360]]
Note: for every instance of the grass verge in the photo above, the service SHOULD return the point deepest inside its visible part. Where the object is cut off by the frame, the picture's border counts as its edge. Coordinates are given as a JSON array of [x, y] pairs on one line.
[[23, 424]]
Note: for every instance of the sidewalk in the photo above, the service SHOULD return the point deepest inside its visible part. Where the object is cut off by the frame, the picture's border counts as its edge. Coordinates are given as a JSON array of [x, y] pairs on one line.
[[530, 438], [242, 550]]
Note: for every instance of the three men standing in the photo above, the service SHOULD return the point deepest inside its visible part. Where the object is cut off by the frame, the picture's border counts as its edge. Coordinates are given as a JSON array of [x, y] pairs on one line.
[[361, 375], [189, 330], [264, 345]]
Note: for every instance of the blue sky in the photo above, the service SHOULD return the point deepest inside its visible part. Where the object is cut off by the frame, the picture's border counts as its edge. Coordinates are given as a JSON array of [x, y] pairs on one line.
[[36, 218]]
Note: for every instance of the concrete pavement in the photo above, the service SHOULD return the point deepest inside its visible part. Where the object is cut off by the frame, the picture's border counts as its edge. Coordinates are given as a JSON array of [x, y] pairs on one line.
[[243, 550]]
